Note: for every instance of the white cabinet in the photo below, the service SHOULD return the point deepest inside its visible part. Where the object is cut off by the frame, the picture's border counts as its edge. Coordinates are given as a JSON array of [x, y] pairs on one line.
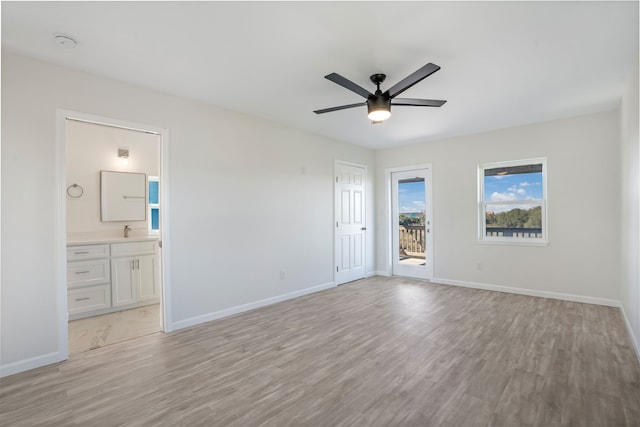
[[123, 273], [102, 278], [88, 278], [86, 299], [82, 252], [148, 270], [134, 277], [92, 272]]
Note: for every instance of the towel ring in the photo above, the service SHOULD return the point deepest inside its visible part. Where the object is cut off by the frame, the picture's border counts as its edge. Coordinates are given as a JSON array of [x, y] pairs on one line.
[[75, 191]]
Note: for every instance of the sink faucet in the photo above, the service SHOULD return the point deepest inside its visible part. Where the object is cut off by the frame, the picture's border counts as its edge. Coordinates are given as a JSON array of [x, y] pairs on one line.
[[127, 229]]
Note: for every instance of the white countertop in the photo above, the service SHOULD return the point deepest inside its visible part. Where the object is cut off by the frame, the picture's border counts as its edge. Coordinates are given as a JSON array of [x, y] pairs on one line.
[[90, 240]]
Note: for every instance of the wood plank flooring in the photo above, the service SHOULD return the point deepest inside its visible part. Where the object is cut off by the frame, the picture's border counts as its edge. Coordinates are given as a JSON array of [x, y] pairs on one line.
[[376, 352]]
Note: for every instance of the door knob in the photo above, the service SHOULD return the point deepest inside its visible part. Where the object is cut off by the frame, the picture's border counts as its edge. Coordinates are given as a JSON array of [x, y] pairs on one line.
[[363, 228]]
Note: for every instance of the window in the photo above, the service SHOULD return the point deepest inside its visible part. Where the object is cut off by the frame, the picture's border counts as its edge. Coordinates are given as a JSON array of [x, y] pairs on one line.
[[154, 206], [512, 202]]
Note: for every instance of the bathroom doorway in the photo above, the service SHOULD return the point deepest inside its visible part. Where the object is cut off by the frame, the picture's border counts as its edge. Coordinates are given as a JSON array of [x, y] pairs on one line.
[[115, 289]]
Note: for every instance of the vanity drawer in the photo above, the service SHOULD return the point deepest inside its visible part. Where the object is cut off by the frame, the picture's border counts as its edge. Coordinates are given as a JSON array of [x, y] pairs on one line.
[[134, 248], [83, 273], [76, 253], [88, 299]]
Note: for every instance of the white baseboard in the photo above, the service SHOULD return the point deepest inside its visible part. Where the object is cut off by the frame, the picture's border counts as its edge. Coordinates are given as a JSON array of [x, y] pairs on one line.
[[28, 364], [192, 321], [634, 341], [530, 292], [382, 273]]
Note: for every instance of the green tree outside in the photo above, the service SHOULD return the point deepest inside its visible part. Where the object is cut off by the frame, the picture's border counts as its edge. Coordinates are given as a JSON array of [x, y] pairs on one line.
[[516, 218]]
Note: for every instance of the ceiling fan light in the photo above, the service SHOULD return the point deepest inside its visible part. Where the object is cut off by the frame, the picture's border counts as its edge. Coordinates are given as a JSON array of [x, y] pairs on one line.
[[379, 115], [379, 109]]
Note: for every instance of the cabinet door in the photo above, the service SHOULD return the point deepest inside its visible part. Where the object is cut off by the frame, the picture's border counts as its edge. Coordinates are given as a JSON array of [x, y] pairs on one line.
[[123, 280], [147, 276]]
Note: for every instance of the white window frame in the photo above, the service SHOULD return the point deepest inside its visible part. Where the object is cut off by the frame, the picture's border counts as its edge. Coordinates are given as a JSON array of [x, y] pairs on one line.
[[151, 206], [482, 206]]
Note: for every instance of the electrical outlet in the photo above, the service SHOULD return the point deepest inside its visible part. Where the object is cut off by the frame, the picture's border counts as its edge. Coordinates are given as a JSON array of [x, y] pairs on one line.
[[282, 275]]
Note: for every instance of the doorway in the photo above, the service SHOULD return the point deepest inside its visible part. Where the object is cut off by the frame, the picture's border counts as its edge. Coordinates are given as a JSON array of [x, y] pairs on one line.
[[96, 314], [350, 225], [411, 223]]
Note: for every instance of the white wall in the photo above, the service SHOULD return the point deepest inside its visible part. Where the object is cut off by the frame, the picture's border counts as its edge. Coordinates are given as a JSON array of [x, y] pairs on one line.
[[91, 148], [583, 197], [241, 208], [630, 207]]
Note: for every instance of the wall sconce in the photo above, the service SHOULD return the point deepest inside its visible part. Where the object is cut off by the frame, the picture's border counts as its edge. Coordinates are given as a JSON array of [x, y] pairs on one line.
[[123, 154]]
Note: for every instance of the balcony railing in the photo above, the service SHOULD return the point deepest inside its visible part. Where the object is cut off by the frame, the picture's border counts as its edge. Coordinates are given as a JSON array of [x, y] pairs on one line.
[[514, 232], [412, 241]]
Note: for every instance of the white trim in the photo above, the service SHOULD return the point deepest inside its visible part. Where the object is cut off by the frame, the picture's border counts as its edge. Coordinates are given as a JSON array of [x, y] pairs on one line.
[[634, 341], [529, 292], [407, 168], [522, 241], [383, 273], [28, 364], [192, 321], [60, 240], [165, 254]]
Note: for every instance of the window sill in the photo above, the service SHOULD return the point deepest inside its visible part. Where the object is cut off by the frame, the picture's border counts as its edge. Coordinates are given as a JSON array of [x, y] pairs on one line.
[[513, 243]]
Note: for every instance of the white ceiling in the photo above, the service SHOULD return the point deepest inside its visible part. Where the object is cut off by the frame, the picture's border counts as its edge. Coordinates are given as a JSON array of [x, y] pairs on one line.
[[503, 63]]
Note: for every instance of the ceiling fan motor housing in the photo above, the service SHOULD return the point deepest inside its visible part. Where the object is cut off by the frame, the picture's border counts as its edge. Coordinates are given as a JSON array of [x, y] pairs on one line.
[[379, 102]]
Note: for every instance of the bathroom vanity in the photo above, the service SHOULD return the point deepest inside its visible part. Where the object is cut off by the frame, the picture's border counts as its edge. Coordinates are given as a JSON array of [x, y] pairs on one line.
[[111, 274]]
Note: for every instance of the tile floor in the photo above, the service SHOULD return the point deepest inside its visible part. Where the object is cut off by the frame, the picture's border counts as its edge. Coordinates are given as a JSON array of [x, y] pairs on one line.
[[99, 331]]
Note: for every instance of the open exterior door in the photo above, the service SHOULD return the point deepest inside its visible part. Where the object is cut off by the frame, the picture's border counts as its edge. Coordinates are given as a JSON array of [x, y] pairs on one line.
[[411, 224]]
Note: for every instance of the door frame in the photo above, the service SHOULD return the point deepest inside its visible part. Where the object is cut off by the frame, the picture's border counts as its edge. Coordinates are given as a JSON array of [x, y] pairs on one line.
[[429, 212], [60, 217], [364, 217]]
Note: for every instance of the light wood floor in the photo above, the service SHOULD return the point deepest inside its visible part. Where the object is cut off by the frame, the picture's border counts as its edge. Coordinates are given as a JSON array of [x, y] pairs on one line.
[[376, 352]]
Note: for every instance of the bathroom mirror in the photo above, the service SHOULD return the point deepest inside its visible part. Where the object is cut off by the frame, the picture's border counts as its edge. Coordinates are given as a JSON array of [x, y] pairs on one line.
[[123, 196]]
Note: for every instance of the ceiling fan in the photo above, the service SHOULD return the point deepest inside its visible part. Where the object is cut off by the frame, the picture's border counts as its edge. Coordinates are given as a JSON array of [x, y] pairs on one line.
[[379, 103]]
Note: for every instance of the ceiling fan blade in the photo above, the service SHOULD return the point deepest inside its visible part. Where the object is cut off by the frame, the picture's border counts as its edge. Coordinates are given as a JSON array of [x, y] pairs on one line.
[[348, 84], [342, 107], [412, 79], [418, 102]]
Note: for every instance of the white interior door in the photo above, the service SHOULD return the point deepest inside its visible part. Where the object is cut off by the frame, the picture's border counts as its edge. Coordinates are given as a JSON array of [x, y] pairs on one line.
[[411, 224], [350, 223]]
